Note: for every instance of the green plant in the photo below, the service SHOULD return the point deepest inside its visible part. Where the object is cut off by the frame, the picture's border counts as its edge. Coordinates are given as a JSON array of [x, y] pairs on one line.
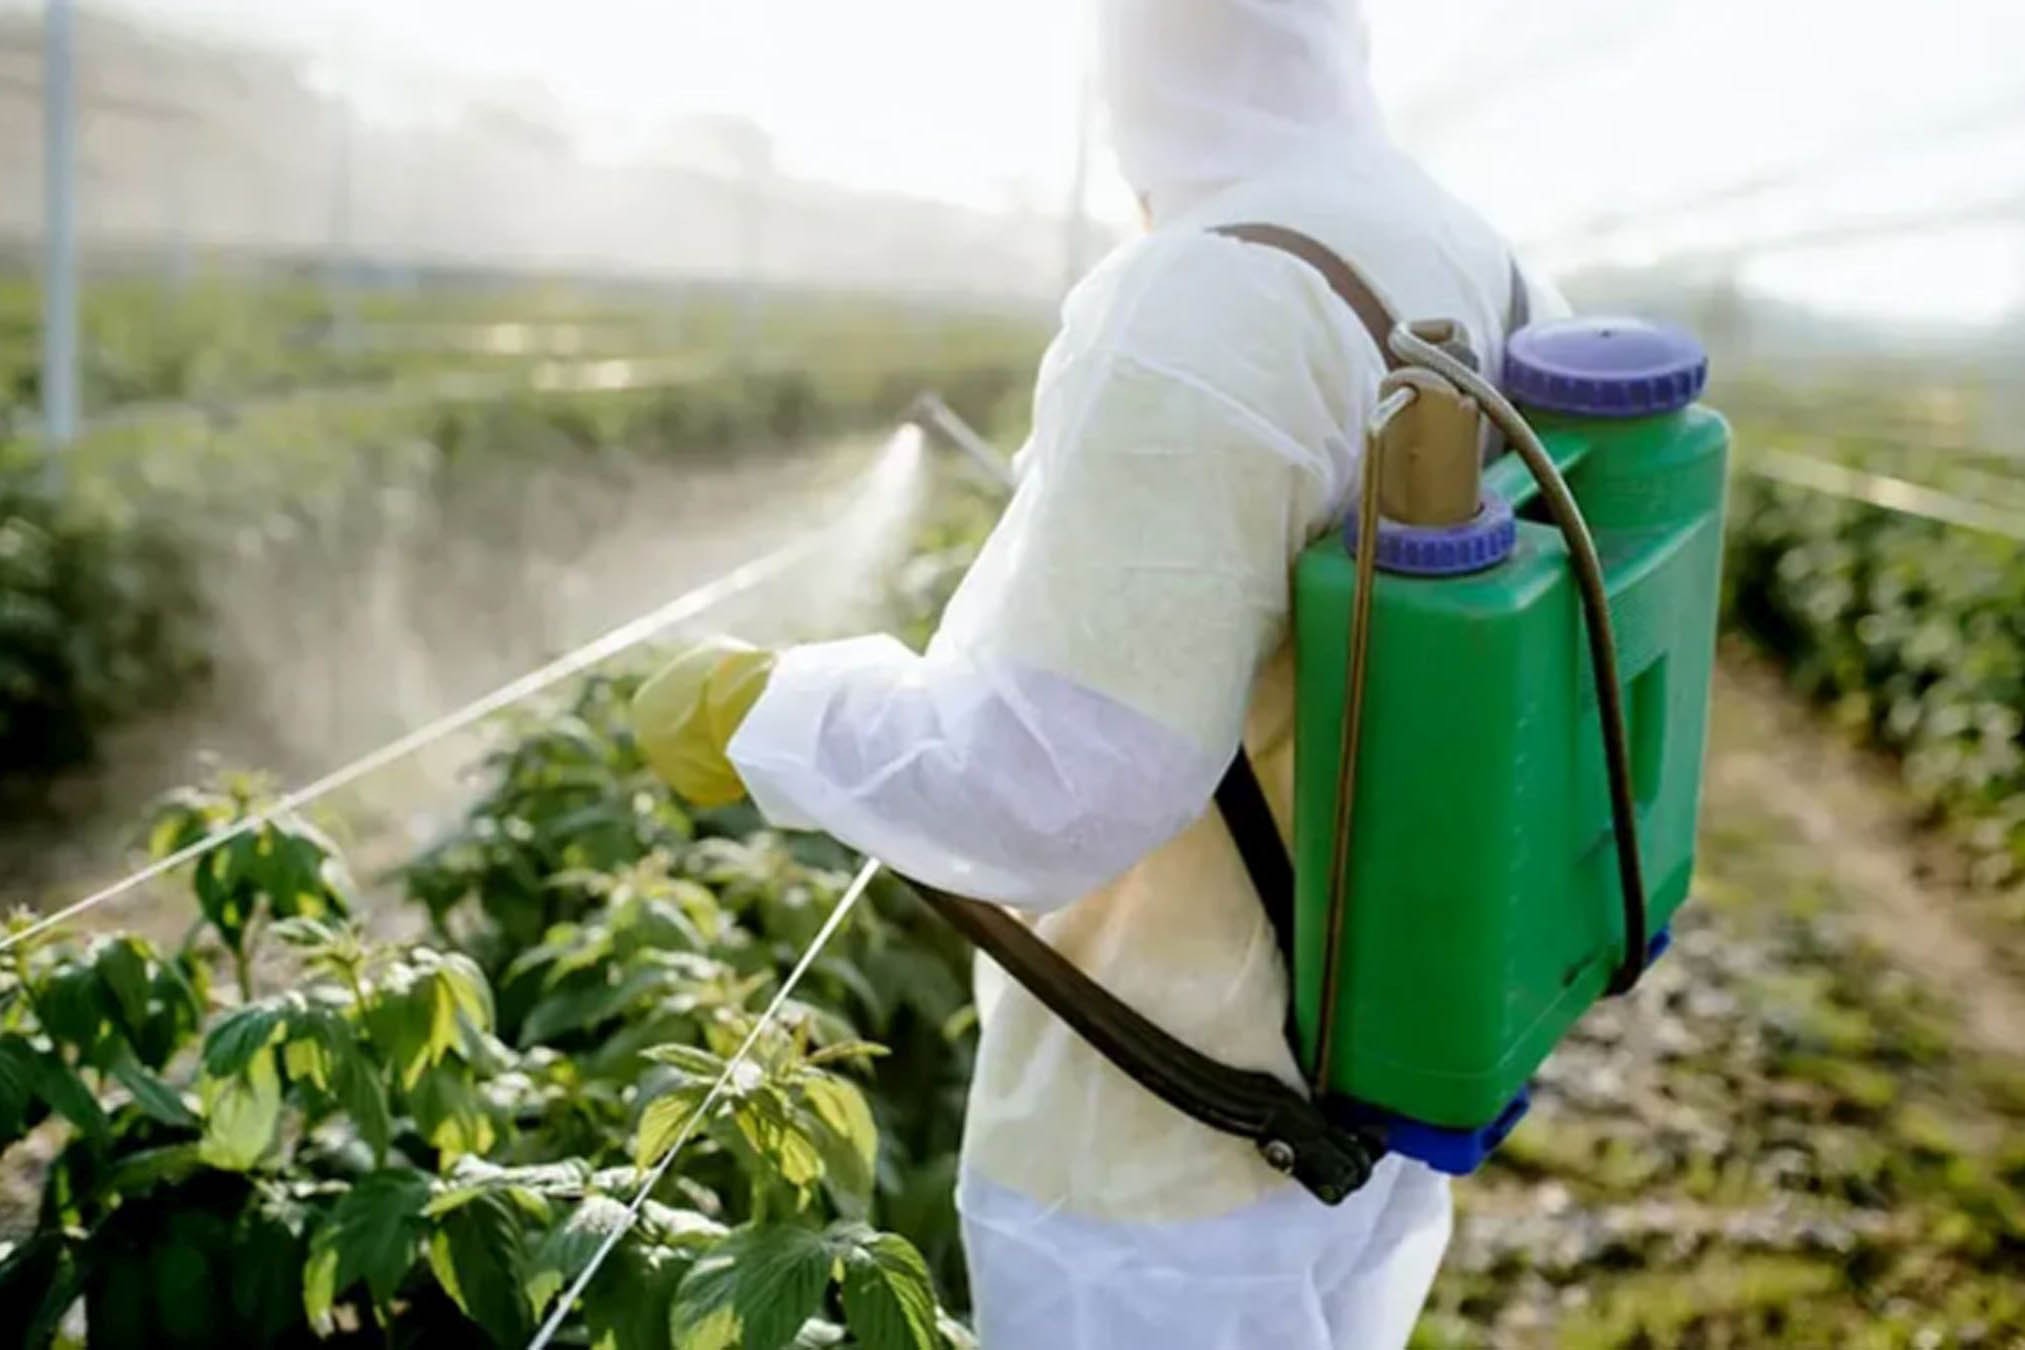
[[95, 620], [1911, 631], [100, 610], [422, 1142]]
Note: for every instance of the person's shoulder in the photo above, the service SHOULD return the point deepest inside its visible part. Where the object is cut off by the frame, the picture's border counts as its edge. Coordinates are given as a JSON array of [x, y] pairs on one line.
[[1182, 295]]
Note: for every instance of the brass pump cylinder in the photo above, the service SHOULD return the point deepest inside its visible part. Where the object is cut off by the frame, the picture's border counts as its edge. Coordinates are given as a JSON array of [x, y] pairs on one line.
[[1430, 469]]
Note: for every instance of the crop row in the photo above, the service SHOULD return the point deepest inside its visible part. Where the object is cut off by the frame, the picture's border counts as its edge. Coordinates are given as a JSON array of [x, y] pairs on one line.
[[99, 610], [423, 1142], [1909, 630]]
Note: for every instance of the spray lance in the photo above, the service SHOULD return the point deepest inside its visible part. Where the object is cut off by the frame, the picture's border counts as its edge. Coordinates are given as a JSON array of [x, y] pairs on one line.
[[1501, 710]]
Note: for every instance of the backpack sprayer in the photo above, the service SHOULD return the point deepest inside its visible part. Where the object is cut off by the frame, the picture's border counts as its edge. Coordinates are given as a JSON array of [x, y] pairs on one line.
[[1501, 710]]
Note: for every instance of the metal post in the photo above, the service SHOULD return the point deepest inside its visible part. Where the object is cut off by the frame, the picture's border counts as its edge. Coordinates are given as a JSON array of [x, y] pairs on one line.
[[340, 265], [59, 226]]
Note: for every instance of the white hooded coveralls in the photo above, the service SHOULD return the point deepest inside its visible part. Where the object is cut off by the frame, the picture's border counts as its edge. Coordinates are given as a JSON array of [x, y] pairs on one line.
[[1056, 749]]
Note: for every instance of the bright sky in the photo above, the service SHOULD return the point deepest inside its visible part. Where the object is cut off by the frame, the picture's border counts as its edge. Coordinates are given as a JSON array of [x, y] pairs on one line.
[[1547, 113]]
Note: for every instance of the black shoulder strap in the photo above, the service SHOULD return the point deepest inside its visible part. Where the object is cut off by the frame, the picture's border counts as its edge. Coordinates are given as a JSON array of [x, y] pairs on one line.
[[1356, 292], [1349, 285], [1242, 801]]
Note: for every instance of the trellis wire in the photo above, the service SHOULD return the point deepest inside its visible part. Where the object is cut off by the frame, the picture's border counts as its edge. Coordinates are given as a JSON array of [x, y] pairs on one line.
[[560, 1313]]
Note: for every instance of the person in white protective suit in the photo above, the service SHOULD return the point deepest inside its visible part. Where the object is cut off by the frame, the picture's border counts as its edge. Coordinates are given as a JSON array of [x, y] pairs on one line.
[[1125, 629]]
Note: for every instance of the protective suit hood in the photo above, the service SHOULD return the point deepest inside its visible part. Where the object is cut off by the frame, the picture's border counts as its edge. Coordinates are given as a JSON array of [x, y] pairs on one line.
[[1205, 93]]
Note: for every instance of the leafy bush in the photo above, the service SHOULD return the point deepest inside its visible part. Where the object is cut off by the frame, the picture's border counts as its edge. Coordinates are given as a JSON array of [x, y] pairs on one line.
[[422, 1142], [98, 609], [95, 618], [1913, 631]]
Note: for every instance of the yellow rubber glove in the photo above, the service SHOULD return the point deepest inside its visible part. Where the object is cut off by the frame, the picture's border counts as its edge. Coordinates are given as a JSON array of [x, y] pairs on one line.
[[686, 715]]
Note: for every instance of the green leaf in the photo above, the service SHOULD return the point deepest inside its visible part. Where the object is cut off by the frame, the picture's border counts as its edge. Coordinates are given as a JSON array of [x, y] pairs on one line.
[[413, 1022], [305, 1059], [58, 1085], [371, 1234], [150, 1093], [628, 1303], [626, 1306], [319, 1288], [775, 1131], [846, 1134], [39, 1280], [355, 1083], [224, 882], [137, 1173], [955, 1335], [317, 1036], [852, 1051], [478, 1254], [663, 1123], [239, 1035], [687, 1229], [690, 1059], [177, 826], [469, 992], [451, 1113], [579, 1008], [889, 1299], [567, 1249], [17, 1085], [240, 1114], [299, 871], [444, 1035], [715, 1330], [176, 1013], [72, 1005], [767, 1280], [122, 963], [324, 1048], [528, 1186]]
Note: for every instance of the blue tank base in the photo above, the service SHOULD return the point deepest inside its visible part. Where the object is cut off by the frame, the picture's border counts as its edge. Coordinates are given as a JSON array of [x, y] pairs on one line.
[[1657, 948], [1455, 1152]]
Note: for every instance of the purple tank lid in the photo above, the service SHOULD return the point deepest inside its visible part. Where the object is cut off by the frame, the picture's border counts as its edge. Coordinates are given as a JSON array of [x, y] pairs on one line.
[[1596, 367], [1482, 541]]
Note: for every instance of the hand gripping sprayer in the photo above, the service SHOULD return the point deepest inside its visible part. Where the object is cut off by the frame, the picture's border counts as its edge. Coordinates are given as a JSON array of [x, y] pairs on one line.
[[1502, 695]]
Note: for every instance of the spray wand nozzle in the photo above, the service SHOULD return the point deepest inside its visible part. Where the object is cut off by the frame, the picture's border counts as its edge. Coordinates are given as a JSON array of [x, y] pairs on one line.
[[935, 417]]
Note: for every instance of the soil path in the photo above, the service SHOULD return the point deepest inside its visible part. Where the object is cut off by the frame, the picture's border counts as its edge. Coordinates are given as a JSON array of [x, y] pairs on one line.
[[1769, 756], [1803, 1129]]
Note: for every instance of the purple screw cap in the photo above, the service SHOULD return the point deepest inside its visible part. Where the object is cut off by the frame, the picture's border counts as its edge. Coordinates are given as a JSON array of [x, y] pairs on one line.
[[1595, 367], [1482, 541]]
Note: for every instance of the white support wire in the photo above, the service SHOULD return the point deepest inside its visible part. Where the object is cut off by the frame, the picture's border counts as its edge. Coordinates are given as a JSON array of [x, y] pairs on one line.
[[1886, 494], [560, 1313]]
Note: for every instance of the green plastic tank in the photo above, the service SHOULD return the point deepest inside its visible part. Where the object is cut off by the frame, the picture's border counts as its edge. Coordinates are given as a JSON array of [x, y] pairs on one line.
[[1484, 910]]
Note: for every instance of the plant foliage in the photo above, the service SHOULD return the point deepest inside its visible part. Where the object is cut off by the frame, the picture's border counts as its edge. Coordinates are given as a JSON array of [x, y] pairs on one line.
[[423, 1142]]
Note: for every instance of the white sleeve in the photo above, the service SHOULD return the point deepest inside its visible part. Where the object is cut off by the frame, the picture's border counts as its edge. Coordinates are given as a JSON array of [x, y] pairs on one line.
[[1088, 685], [1007, 785]]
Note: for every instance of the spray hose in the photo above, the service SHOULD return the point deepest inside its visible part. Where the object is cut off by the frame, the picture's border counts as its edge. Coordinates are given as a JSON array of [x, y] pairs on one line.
[[1416, 350]]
